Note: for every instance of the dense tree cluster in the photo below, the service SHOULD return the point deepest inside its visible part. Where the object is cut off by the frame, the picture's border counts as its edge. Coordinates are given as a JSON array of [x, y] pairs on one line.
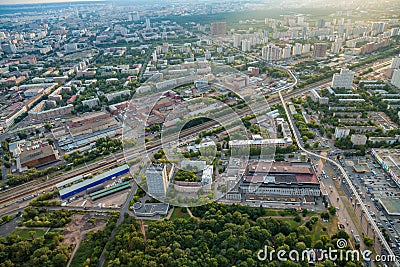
[[186, 176], [29, 175], [92, 246], [217, 236], [46, 250], [40, 217], [46, 199]]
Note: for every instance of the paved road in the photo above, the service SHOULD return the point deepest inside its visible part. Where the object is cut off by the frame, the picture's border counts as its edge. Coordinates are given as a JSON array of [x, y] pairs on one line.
[[343, 213], [3, 168], [123, 210], [346, 177]]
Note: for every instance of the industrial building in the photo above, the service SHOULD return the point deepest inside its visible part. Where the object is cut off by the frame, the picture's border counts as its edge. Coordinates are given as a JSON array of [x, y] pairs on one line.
[[280, 178], [278, 183], [34, 154], [69, 181], [82, 132], [88, 183], [110, 190]]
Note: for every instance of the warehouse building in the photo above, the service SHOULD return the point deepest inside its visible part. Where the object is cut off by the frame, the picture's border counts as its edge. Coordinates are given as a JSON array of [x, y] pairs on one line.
[[99, 179], [281, 182], [34, 154]]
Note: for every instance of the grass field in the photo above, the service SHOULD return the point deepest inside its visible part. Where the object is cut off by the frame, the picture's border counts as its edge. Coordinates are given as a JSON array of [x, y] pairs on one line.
[[331, 228], [293, 224], [24, 233], [179, 212]]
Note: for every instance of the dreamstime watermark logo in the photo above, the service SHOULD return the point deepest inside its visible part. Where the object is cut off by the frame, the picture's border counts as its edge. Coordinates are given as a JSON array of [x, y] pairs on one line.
[[317, 255]]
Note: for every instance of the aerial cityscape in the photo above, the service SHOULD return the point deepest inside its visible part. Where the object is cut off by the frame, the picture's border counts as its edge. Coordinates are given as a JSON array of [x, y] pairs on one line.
[[200, 133]]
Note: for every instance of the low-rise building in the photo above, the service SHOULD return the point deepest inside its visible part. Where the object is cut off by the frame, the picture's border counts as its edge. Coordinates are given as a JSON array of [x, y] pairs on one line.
[[8, 115], [387, 140], [111, 96], [36, 154], [341, 132], [280, 142], [91, 103], [317, 98], [358, 139], [40, 111]]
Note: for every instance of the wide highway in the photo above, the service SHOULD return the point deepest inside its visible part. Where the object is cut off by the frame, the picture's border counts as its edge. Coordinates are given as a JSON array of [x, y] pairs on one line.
[[345, 176]]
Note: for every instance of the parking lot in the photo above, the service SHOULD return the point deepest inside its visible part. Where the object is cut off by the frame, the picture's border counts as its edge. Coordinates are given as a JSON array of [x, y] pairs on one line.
[[373, 185]]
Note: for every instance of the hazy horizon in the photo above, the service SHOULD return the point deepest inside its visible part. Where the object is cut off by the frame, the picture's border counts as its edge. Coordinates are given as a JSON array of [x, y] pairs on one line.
[[25, 2]]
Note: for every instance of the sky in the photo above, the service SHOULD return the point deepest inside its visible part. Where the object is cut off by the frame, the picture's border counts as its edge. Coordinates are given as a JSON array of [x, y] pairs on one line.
[[15, 2]]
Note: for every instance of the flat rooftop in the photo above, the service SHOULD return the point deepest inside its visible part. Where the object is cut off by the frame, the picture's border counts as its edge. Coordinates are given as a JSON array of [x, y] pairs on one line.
[[280, 172], [36, 152], [92, 180], [88, 116], [280, 167], [389, 159], [150, 209], [391, 205]]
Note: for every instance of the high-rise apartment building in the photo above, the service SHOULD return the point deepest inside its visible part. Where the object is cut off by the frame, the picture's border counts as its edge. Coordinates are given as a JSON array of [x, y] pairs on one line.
[[157, 178], [237, 39], [297, 49], [148, 24], [343, 80], [320, 50], [396, 78], [271, 52], [378, 27], [321, 23], [336, 46], [395, 62], [246, 45], [304, 33], [286, 52], [306, 49]]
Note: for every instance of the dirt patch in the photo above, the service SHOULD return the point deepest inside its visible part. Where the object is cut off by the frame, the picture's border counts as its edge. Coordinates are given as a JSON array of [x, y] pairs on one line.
[[80, 225]]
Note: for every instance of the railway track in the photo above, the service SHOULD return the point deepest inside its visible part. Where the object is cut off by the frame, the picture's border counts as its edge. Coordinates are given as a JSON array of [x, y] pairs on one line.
[[28, 189], [31, 188]]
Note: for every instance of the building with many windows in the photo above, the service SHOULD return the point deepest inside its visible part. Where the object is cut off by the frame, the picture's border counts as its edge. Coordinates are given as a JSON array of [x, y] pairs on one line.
[[358, 139], [342, 132], [320, 50], [273, 142], [396, 78], [271, 52], [158, 179], [344, 79]]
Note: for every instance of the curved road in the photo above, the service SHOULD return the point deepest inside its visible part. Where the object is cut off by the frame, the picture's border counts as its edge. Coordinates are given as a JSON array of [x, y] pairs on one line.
[[349, 182]]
